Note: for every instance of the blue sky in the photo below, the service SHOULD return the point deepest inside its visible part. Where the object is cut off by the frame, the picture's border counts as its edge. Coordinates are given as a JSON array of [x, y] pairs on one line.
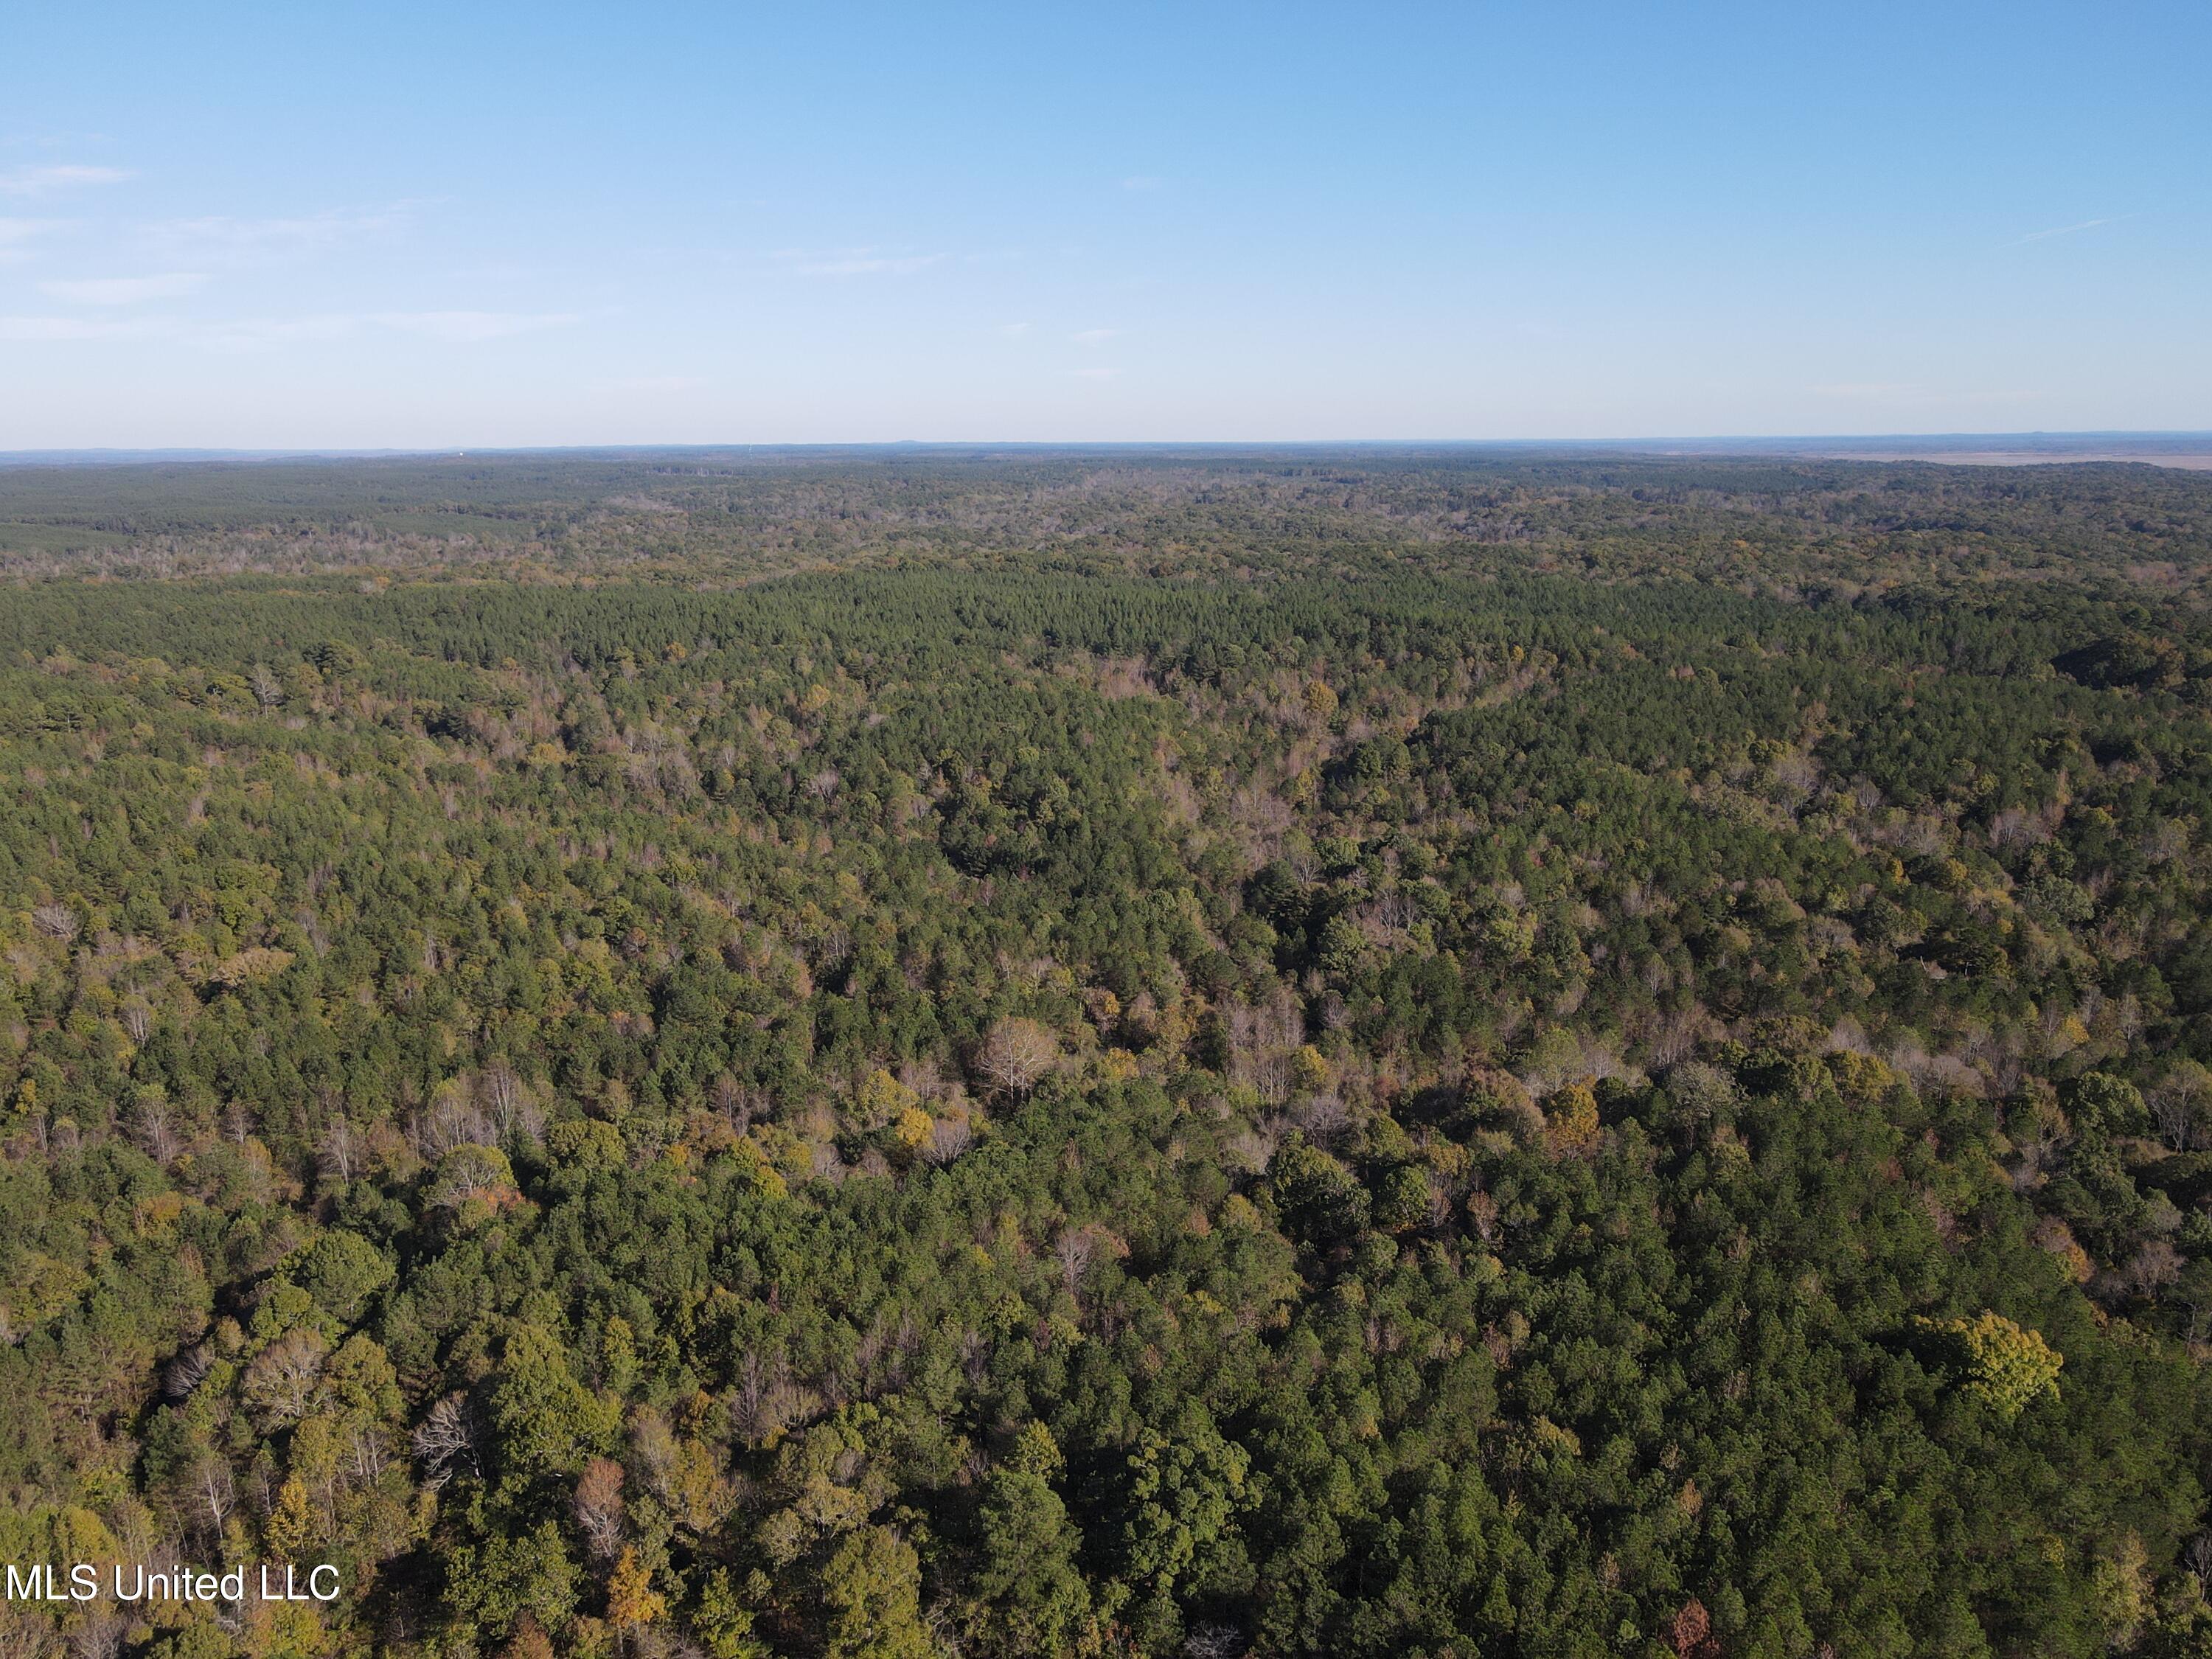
[[339, 225]]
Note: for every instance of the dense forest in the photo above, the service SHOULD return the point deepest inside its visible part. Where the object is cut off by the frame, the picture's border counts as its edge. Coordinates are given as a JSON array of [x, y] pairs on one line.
[[1362, 1053]]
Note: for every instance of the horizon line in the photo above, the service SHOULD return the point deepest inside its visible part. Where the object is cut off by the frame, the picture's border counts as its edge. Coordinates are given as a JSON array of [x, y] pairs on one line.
[[94, 454]]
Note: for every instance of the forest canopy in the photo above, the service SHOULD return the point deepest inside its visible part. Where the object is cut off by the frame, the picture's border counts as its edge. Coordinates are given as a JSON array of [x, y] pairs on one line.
[[1355, 1053]]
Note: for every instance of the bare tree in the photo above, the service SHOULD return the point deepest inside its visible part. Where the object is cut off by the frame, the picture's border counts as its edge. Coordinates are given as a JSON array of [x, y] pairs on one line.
[[183, 1374], [508, 1103], [100, 1636], [2153, 1268], [752, 1385], [282, 1379], [1016, 1054], [2197, 1556], [1214, 1642], [444, 1438], [1075, 1247], [598, 1507], [216, 1491], [2181, 1107], [21, 1638], [733, 1100], [948, 1139], [369, 1451], [337, 1157], [152, 1130], [451, 1120]]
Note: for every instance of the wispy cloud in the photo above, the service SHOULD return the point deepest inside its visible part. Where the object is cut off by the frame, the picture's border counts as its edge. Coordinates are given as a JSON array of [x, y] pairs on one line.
[[83, 328], [656, 383], [1140, 181], [125, 290], [1013, 331], [898, 265], [468, 327], [855, 262], [1092, 337], [17, 236], [221, 237], [1859, 389], [1906, 394], [273, 333], [45, 180], [2068, 230], [1094, 374]]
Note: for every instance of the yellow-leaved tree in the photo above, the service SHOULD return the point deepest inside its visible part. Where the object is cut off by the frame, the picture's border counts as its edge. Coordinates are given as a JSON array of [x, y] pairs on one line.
[[2006, 1366], [631, 1599]]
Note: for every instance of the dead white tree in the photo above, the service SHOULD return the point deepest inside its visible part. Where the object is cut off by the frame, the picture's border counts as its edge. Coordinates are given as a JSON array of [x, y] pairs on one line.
[[1016, 1054], [445, 1438], [337, 1157], [282, 1379], [217, 1491]]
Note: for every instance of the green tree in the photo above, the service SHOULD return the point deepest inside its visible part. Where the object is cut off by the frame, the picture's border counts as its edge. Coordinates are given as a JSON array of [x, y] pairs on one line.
[[547, 1423], [871, 1598], [1036, 1600]]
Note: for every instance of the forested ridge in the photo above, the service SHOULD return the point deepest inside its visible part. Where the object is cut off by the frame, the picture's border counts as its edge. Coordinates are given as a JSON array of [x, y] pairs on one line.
[[1767, 523], [1274, 1053]]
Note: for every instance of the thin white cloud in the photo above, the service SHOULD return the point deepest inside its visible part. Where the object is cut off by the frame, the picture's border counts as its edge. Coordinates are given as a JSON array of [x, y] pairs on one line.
[[82, 328], [1013, 331], [1092, 337], [2068, 230], [854, 262], [1860, 389], [658, 383], [1905, 394], [468, 327], [17, 236], [889, 265], [1094, 374], [270, 333], [1140, 181], [45, 180], [125, 290], [253, 334], [218, 237]]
